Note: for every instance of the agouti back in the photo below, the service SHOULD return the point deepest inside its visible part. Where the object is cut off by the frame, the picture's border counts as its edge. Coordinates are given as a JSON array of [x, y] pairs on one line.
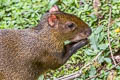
[[27, 53]]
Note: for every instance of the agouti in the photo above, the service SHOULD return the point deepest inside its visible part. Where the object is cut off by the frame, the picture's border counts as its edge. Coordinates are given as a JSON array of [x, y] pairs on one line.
[[26, 54]]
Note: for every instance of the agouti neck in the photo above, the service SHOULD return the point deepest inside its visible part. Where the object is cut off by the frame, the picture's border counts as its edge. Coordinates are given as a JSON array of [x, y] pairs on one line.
[[52, 39]]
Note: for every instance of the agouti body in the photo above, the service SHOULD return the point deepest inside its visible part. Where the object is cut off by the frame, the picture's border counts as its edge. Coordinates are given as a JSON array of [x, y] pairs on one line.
[[27, 53]]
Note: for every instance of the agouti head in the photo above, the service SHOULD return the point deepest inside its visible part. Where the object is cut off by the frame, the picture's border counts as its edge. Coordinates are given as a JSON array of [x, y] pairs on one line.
[[68, 26]]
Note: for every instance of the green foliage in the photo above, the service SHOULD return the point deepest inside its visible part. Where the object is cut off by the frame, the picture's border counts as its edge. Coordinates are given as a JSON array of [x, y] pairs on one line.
[[20, 14], [41, 77]]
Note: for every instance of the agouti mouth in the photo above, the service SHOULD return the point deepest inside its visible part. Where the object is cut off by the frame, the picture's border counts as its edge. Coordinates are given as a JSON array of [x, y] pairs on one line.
[[81, 43], [75, 45]]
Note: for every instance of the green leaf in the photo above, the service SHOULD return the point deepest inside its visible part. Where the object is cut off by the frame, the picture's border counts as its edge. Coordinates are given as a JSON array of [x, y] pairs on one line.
[[93, 42], [92, 71], [41, 77], [118, 24], [77, 3], [99, 29], [51, 3], [101, 59], [103, 46], [108, 60], [90, 52], [67, 42]]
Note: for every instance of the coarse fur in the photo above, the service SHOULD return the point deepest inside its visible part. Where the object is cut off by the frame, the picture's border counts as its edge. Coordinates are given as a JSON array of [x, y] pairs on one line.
[[26, 54]]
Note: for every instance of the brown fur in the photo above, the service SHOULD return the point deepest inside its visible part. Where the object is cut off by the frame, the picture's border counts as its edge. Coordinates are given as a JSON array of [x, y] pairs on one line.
[[25, 54]]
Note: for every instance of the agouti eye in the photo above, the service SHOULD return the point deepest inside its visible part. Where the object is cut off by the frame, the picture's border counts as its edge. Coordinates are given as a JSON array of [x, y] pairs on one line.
[[71, 25]]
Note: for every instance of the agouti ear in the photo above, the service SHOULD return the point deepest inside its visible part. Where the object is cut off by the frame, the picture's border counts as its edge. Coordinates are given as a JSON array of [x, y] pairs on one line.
[[52, 20], [54, 9]]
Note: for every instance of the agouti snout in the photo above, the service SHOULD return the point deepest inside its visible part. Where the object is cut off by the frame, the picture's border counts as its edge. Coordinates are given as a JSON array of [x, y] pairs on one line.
[[26, 54]]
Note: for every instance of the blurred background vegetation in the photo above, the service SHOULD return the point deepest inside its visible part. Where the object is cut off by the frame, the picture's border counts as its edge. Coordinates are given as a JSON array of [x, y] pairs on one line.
[[20, 14]]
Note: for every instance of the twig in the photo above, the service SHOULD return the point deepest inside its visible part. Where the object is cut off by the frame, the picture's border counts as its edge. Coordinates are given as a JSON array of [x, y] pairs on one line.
[[102, 73], [108, 35], [78, 73]]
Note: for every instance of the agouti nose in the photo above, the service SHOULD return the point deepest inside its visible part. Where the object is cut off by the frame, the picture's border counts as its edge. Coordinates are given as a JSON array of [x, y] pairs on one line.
[[88, 31]]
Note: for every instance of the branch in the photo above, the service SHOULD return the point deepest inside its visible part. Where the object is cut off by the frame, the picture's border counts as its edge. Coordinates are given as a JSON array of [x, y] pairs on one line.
[[78, 73], [108, 35]]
